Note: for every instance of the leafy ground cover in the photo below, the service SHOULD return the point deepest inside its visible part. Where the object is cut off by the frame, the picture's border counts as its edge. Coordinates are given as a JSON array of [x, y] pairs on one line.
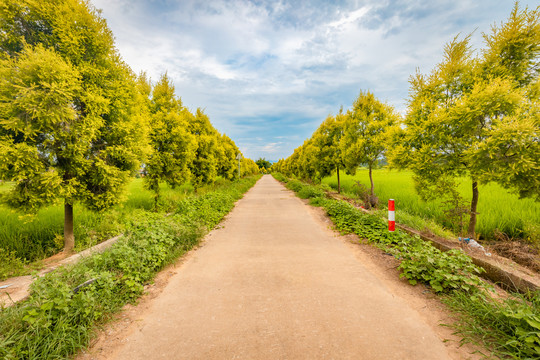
[[499, 210], [67, 305], [510, 327]]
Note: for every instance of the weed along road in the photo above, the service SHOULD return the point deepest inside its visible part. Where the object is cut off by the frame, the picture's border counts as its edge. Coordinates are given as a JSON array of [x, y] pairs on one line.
[[274, 282]]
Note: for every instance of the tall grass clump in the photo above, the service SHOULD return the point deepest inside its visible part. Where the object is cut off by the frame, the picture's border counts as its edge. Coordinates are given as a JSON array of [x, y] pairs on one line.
[[38, 236], [509, 327]]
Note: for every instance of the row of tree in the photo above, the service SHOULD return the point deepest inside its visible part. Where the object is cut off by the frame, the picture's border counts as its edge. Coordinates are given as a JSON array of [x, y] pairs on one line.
[[474, 115], [184, 146], [76, 123]]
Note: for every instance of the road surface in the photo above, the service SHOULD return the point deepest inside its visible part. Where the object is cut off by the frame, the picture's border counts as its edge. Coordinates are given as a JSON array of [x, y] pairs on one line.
[[274, 282]]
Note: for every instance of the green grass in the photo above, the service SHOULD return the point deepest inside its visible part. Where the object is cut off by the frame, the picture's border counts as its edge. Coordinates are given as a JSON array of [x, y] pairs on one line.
[[497, 207], [34, 237], [508, 328]]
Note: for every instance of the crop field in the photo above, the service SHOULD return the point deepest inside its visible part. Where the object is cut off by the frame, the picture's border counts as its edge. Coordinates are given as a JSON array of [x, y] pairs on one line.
[[34, 237], [497, 208]]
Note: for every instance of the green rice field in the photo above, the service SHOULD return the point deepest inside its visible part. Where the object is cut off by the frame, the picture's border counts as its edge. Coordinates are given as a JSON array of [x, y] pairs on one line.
[[34, 237], [497, 207]]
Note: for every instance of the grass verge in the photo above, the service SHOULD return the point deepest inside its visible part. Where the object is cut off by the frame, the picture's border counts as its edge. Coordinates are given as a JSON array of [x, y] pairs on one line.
[[510, 328], [67, 305]]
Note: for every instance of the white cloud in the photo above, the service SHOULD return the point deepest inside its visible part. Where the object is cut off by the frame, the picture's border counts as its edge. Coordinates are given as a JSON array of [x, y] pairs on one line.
[[349, 18], [277, 68]]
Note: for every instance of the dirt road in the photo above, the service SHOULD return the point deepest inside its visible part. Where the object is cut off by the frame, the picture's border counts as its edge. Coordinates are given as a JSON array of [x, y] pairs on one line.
[[275, 283]]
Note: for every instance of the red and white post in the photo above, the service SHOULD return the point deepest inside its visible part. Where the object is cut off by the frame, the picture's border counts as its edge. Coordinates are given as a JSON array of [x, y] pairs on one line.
[[391, 216]]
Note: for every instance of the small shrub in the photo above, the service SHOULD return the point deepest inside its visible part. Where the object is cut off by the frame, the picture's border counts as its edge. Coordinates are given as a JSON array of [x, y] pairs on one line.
[[443, 271], [456, 210], [295, 185], [308, 192], [362, 192], [511, 328], [318, 201], [10, 264], [280, 177]]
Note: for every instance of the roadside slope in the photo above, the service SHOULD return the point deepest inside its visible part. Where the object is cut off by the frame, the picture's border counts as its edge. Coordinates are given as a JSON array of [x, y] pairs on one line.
[[274, 283]]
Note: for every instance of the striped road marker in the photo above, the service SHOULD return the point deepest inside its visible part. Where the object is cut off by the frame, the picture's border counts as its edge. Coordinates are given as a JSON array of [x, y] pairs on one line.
[[391, 216]]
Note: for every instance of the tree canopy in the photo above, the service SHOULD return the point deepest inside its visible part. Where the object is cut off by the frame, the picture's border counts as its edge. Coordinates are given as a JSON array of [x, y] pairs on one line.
[[171, 143], [344, 142], [67, 105], [366, 134], [262, 163], [76, 123], [477, 116]]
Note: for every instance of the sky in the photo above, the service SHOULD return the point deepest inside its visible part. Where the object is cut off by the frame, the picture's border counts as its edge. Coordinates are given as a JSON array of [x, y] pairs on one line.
[[267, 73]]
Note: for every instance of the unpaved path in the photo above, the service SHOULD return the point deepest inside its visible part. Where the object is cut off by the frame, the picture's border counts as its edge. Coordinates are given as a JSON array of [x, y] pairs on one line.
[[275, 283]]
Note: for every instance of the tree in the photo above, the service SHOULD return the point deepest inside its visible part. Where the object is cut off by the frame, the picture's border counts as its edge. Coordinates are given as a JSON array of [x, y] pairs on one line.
[[510, 155], [477, 117], [172, 144], [248, 167], [365, 135], [326, 139], [291, 164], [205, 162], [278, 166], [68, 128], [227, 163], [305, 167], [262, 163]]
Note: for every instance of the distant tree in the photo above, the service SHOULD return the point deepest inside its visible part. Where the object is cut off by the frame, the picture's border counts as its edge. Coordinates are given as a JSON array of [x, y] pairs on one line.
[[249, 167], [227, 163], [478, 117], [172, 144], [262, 163], [68, 123], [278, 166], [365, 134], [291, 164], [305, 167], [205, 162], [326, 139]]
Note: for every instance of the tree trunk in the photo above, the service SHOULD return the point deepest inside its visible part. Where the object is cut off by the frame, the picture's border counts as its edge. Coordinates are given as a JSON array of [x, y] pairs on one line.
[[371, 180], [338, 182], [69, 238], [474, 203], [156, 201], [154, 187]]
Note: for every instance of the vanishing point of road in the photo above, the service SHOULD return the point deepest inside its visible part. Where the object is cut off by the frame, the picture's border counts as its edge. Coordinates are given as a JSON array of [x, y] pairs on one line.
[[274, 282]]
